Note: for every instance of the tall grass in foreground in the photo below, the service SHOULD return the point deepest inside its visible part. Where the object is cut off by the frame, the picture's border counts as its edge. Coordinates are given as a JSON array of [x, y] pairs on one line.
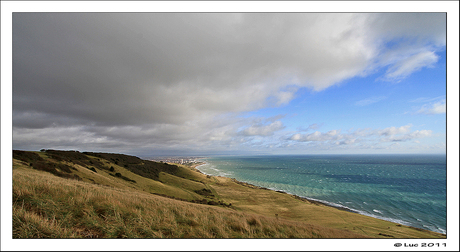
[[46, 206]]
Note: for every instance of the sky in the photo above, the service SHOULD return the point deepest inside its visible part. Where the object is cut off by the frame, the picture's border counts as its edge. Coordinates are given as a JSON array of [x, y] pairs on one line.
[[152, 84]]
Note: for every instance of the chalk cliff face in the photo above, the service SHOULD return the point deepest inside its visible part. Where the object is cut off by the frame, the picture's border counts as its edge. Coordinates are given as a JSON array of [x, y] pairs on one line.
[[69, 194]]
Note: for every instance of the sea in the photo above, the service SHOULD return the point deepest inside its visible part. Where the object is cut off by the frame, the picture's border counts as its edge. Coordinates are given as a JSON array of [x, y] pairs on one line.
[[405, 189]]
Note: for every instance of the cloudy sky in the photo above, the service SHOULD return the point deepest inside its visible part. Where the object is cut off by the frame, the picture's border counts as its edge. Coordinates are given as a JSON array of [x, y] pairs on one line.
[[230, 83]]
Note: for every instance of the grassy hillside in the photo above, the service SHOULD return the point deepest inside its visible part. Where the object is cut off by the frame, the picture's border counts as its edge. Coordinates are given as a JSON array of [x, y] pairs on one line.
[[67, 194]]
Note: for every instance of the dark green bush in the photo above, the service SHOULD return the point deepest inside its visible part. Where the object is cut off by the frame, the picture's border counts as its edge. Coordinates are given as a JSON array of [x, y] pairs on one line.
[[204, 192], [51, 168], [26, 156], [65, 168]]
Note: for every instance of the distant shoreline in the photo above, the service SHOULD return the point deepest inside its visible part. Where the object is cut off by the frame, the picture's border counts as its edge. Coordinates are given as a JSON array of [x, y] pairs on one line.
[[303, 198]]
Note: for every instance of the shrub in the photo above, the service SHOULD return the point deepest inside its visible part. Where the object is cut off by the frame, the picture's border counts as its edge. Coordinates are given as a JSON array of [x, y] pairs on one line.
[[51, 168], [204, 192], [26, 156], [118, 175], [65, 168], [112, 169], [56, 157], [44, 166]]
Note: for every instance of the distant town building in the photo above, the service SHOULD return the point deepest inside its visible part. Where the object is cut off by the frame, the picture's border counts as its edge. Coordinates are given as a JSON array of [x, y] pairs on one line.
[[176, 160]]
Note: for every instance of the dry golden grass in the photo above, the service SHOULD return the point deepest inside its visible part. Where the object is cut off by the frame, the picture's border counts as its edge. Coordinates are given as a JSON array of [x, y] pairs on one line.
[[46, 206]]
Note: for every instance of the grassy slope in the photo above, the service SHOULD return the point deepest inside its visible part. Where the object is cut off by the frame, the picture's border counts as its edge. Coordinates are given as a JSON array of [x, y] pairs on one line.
[[104, 205]]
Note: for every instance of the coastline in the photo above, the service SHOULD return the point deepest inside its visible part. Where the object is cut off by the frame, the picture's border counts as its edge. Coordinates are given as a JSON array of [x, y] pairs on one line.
[[310, 200], [315, 201]]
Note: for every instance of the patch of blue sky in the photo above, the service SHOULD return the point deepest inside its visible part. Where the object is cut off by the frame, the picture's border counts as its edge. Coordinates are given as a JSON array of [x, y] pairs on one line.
[[368, 102]]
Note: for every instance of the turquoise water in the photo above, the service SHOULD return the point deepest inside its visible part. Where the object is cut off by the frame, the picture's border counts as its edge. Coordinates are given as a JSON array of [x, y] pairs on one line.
[[406, 189]]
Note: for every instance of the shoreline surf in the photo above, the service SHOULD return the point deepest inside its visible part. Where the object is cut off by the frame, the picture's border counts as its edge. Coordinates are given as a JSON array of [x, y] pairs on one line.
[[322, 202]]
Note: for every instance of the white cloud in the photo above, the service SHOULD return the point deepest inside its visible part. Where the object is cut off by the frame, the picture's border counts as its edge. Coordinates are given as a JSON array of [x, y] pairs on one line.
[[405, 137], [407, 42], [369, 101], [317, 136], [263, 130], [429, 99], [433, 108], [410, 64], [362, 132], [313, 126], [346, 141], [394, 131], [390, 134]]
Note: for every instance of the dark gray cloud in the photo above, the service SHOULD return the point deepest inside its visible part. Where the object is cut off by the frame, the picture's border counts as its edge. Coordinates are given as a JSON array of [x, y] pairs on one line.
[[163, 80]]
